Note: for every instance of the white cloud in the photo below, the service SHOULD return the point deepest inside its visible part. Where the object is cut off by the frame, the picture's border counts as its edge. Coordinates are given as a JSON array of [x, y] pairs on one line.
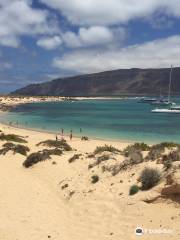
[[108, 12], [18, 18], [158, 53], [49, 43], [92, 36]]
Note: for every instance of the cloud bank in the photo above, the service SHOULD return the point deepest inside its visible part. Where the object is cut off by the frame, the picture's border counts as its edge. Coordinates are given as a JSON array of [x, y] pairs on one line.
[[157, 53], [109, 12]]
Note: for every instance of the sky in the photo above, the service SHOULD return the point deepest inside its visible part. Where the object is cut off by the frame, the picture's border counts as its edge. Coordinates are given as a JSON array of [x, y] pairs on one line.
[[41, 40]]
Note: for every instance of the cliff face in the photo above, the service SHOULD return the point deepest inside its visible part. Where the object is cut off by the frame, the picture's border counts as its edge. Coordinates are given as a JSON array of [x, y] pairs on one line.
[[118, 82]]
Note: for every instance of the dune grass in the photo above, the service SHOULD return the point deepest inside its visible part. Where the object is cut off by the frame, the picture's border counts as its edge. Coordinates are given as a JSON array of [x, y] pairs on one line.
[[106, 148], [16, 148], [136, 147], [12, 138], [40, 156], [62, 144]]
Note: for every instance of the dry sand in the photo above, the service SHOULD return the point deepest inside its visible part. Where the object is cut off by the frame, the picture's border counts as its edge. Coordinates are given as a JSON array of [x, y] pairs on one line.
[[33, 205]]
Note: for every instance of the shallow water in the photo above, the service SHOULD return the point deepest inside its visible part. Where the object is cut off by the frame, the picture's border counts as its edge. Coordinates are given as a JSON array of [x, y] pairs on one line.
[[109, 119]]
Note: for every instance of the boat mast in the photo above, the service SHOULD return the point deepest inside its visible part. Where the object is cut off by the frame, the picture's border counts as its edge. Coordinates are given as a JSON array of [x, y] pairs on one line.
[[170, 80]]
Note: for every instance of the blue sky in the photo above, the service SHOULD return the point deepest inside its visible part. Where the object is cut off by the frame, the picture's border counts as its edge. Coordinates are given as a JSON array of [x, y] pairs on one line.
[[44, 39]]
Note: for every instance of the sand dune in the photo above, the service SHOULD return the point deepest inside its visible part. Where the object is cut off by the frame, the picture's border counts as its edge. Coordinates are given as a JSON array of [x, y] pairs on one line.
[[33, 205]]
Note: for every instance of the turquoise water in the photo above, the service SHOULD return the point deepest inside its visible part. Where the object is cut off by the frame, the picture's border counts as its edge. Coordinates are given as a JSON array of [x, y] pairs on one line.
[[109, 119]]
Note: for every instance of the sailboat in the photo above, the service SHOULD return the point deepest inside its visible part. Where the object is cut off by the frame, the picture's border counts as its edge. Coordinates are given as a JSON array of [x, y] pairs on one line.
[[171, 109], [162, 101]]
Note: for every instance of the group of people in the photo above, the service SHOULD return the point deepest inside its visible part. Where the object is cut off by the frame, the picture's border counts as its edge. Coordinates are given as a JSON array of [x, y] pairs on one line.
[[70, 135]]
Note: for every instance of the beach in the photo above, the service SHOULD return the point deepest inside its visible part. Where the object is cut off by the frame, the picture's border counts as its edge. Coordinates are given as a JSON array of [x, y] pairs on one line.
[[55, 199]]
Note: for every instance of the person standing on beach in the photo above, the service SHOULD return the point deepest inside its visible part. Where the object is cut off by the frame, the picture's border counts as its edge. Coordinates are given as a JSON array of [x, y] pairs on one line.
[[70, 136], [62, 133], [56, 138]]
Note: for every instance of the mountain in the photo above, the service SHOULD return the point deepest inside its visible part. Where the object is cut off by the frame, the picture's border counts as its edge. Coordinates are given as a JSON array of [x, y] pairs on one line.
[[133, 81]]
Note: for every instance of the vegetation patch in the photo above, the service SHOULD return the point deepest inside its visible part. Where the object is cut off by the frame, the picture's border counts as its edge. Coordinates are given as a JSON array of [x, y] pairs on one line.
[[149, 178], [133, 189], [157, 150], [12, 138], [99, 159], [168, 145], [136, 147], [106, 148], [135, 158], [43, 155], [62, 144], [21, 149]]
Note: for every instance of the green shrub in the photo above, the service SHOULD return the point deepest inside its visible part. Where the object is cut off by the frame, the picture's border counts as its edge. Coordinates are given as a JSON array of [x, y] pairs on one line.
[[136, 147], [133, 189], [62, 144], [94, 179], [149, 178], [106, 148], [8, 145], [157, 150], [135, 158], [168, 144], [21, 149], [12, 138], [100, 159], [43, 155], [34, 158]]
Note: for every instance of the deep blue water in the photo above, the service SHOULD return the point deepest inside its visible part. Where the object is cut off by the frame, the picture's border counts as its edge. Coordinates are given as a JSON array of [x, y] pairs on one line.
[[109, 119]]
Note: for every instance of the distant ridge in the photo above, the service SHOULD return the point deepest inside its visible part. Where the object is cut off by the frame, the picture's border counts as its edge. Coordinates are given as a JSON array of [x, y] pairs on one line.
[[133, 81]]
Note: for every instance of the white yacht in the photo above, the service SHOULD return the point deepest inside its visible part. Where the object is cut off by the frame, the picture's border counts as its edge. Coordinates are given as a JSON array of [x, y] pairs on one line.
[[171, 108], [165, 110]]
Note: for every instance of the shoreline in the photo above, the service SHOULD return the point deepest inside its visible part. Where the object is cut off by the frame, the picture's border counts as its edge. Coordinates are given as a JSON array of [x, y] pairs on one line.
[[106, 140]]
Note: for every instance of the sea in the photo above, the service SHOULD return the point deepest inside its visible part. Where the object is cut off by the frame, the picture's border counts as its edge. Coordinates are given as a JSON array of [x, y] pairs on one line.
[[109, 119]]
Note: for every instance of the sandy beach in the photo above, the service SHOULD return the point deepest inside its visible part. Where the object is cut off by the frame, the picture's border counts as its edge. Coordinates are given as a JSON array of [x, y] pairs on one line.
[[55, 199], [10, 100]]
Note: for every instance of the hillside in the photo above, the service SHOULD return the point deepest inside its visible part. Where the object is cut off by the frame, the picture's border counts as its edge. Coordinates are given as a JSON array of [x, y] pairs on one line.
[[111, 83]]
